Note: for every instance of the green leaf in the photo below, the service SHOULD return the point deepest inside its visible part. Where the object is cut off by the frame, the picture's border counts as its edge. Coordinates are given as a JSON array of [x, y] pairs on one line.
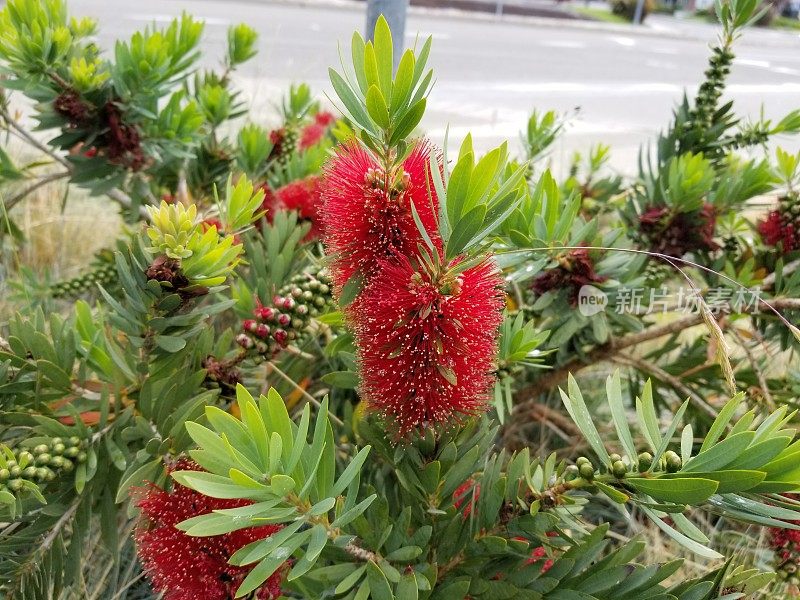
[[353, 469], [576, 407], [686, 490], [619, 415], [730, 481], [377, 108], [378, 584], [720, 455], [721, 422], [407, 588]]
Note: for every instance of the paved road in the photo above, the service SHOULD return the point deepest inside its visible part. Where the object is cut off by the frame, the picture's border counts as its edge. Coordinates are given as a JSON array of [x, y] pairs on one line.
[[491, 74]]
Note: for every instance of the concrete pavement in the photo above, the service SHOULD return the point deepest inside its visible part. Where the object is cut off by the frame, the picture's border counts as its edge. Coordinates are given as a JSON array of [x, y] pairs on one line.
[[489, 73]]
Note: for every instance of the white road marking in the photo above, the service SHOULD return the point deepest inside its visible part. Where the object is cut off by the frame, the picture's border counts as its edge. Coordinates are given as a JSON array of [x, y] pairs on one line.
[[747, 62], [623, 41]]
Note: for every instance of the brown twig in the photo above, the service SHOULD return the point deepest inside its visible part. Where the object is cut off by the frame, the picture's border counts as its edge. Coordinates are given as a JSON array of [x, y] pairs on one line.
[[43, 181], [673, 381], [609, 350]]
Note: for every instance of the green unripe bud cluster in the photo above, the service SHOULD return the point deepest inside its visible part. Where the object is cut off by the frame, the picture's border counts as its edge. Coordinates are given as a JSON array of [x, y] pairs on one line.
[[42, 463], [102, 271]]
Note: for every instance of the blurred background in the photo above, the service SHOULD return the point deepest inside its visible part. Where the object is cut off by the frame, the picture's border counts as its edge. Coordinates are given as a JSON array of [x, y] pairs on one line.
[[496, 61]]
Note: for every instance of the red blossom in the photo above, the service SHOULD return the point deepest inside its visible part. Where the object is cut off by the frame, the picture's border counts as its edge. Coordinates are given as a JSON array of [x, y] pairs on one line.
[[681, 233], [427, 347], [777, 229], [324, 118], [304, 196], [575, 270], [367, 213], [184, 567]]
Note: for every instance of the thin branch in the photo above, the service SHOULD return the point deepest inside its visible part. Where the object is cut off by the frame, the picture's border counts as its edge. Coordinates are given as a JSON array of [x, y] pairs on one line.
[[125, 201], [43, 181], [25, 135], [762, 380], [607, 351], [673, 381]]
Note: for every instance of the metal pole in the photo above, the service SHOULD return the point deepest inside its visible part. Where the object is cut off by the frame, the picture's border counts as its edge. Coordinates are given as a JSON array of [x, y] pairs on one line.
[[637, 16], [498, 11], [394, 11]]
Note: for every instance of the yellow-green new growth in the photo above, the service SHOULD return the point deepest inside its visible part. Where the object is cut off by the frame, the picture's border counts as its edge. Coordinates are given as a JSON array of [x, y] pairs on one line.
[[211, 258], [172, 228]]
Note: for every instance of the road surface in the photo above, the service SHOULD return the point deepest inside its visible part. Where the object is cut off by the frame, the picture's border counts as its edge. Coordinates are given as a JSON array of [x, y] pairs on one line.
[[490, 74]]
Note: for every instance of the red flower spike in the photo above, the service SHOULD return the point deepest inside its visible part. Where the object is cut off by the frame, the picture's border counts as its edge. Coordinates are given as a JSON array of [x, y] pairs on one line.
[[311, 135], [427, 348], [184, 567], [778, 230], [367, 213]]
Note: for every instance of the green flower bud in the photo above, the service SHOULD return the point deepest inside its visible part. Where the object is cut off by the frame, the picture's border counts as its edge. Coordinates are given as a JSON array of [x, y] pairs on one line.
[[645, 461], [4, 474], [41, 449], [673, 462], [58, 448], [587, 471], [619, 469], [15, 485], [29, 472], [571, 472], [82, 456], [43, 459], [15, 471]]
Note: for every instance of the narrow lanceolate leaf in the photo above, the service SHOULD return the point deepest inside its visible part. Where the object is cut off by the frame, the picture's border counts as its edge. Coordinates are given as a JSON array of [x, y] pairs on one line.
[[686, 490], [721, 454], [618, 414], [721, 422], [580, 415], [682, 539]]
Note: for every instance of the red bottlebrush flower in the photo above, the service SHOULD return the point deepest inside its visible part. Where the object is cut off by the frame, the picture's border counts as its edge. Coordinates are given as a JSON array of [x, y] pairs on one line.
[[367, 213], [779, 230], [324, 118], [426, 346], [574, 271], [468, 494], [311, 135], [185, 567], [304, 196], [681, 233]]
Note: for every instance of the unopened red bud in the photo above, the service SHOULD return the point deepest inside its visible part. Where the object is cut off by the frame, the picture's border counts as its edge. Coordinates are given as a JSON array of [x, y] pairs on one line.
[[284, 320], [262, 330], [249, 325], [244, 341], [280, 336], [265, 313]]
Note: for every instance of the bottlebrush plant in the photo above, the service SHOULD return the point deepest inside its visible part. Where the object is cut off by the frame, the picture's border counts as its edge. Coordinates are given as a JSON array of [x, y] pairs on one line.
[[369, 379]]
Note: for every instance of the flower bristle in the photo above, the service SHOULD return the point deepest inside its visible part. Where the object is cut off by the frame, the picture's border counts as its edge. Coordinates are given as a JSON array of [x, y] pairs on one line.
[[427, 346], [778, 229], [186, 567], [367, 214]]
